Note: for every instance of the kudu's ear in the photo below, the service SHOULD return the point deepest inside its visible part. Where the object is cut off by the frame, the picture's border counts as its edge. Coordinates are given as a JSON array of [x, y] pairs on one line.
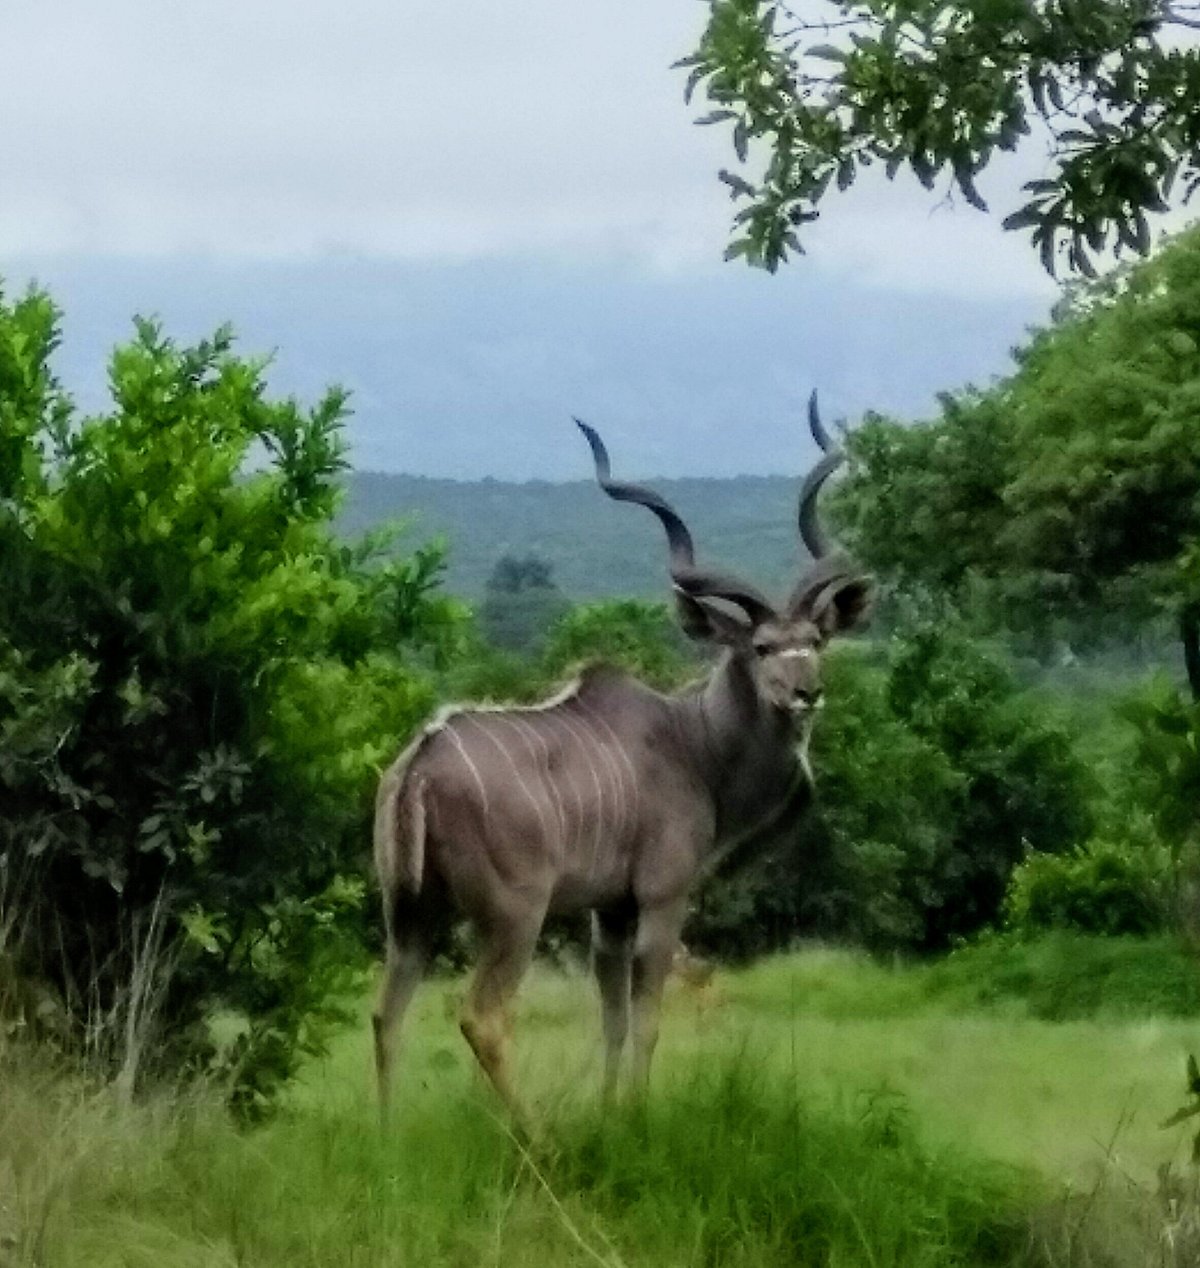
[[843, 605], [707, 623]]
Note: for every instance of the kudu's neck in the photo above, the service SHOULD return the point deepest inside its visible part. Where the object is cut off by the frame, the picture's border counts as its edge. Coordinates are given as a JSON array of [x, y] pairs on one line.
[[744, 751]]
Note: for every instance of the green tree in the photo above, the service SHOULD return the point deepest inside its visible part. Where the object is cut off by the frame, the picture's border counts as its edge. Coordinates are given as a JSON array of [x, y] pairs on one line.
[[521, 604], [941, 86], [197, 685], [1068, 489]]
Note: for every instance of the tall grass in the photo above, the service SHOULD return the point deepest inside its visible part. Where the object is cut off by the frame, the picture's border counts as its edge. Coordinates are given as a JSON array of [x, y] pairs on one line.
[[730, 1167], [816, 1109]]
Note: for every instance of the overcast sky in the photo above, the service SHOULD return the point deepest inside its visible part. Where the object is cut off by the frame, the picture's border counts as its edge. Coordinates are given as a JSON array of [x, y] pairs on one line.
[[481, 217]]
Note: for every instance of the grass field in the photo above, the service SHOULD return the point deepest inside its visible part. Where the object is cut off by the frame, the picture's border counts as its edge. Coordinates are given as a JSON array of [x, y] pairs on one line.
[[814, 1109]]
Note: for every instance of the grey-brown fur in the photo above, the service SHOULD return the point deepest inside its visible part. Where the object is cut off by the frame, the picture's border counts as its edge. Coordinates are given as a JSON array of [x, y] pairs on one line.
[[611, 798]]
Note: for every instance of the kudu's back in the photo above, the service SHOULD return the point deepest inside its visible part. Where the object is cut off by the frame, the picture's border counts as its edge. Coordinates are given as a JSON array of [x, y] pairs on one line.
[[495, 805]]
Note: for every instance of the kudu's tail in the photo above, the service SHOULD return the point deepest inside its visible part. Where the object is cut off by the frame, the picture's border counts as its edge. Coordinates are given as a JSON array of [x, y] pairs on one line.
[[400, 831]]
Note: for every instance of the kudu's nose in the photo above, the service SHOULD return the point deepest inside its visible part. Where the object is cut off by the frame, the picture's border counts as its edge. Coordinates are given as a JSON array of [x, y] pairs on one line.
[[808, 697]]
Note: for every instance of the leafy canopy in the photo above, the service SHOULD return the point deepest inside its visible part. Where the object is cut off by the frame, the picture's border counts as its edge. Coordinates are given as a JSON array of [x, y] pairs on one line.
[[1068, 488], [826, 89]]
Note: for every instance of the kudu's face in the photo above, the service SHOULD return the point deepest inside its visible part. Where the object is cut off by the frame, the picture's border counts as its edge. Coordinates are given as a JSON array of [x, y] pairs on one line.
[[784, 658]]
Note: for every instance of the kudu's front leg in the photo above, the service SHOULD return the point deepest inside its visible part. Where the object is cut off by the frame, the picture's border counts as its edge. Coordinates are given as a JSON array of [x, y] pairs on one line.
[[658, 935]]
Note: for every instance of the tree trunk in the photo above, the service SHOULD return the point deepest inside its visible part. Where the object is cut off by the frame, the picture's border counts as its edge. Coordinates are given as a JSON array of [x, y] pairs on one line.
[[1189, 631]]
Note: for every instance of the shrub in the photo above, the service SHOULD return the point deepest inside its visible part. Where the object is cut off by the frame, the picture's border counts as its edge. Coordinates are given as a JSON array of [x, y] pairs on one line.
[[935, 775], [521, 605], [197, 683], [1022, 787], [1065, 976], [1104, 887], [1165, 771], [641, 637]]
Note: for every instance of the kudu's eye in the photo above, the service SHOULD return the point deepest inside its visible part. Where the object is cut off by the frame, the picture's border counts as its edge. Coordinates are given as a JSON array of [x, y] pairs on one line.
[[763, 649]]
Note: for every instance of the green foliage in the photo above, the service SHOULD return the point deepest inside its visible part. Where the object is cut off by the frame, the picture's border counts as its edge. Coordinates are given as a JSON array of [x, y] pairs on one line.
[[1141, 872], [925, 504], [883, 824], [936, 774], [522, 604], [596, 550], [978, 773], [1164, 774], [1104, 887], [941, 86], [642, 637], [1021, 786], [1064, 976], [1067, 490], [197, 684]]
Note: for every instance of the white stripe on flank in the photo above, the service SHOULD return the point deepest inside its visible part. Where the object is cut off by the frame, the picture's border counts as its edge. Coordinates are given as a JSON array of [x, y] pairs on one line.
[[508, 757], [599, 790], [624, 754], [614, 771], [538, 742], [458, 744], [568, 774]]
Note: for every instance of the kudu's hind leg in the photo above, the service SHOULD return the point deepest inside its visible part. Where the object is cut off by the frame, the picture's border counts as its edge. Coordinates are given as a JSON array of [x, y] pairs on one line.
[[506, 949], [413, 923], [612, 962], [402, 973], [654, 949]]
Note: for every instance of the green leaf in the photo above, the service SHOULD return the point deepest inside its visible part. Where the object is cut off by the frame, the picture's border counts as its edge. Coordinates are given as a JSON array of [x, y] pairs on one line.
[[739, 186], [1026, 218], [715, 116], [741, 141]]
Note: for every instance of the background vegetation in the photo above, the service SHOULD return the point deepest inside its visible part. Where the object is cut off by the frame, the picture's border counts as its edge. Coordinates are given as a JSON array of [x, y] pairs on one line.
[[594, 552]]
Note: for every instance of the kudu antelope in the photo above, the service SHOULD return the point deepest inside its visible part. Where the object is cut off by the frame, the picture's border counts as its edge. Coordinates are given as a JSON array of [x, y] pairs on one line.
[[610, 797]]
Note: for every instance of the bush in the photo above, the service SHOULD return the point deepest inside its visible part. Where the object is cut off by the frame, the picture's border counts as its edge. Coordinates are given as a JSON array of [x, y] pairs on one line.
[[641, 637], [1164, 774], [855, 867], [1066, 976], [1021, 786], [935, 775], [521, 605], [1105, 887], [197, 685]]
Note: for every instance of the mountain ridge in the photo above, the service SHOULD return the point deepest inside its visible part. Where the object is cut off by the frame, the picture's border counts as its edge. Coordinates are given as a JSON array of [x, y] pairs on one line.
[[596, 548]]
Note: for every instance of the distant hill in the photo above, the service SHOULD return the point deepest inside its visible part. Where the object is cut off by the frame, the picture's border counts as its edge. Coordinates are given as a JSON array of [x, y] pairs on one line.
[[598, 548]]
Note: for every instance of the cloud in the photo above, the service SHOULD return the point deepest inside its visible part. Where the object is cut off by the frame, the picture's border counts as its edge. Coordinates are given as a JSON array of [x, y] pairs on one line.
[[476, 368], [291, 129]]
